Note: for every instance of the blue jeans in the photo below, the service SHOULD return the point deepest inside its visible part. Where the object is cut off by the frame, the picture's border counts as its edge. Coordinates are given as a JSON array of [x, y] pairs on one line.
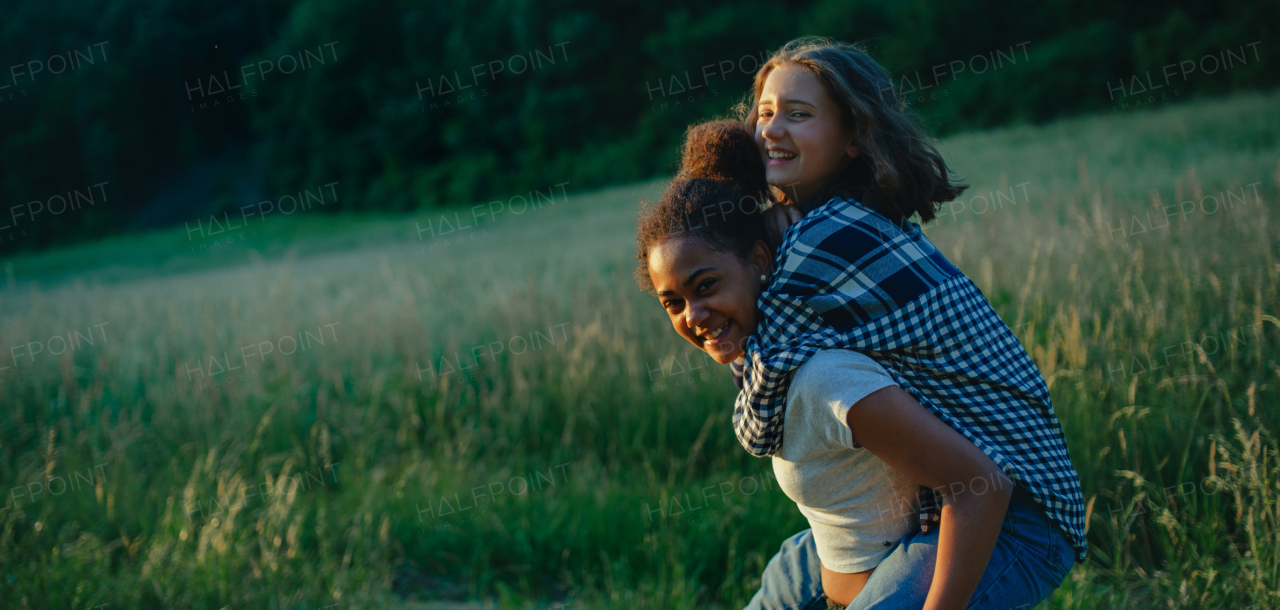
[[1031, 558]]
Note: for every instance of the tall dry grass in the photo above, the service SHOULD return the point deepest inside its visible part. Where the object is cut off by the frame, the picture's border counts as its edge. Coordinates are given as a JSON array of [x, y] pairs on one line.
[[328, 475]]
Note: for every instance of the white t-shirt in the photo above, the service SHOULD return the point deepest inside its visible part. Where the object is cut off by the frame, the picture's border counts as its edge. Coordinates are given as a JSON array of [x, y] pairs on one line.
[[858, 507]]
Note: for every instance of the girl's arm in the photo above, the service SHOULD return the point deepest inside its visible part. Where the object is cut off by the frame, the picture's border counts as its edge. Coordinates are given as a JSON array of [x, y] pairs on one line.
[[910, 439]]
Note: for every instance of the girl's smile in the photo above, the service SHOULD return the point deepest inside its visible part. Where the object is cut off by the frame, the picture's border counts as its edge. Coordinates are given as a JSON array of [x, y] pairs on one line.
[[778, 155], [712, 339]]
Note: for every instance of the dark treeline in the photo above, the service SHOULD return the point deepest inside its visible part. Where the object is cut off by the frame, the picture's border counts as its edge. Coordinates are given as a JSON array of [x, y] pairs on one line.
[[120, 114]]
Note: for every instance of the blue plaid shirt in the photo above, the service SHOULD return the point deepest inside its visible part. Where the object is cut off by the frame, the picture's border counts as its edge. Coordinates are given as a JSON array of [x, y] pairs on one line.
[[848, 278]]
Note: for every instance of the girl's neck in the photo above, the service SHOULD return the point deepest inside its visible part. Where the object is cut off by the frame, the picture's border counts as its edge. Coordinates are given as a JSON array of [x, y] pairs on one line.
[[834, 185]]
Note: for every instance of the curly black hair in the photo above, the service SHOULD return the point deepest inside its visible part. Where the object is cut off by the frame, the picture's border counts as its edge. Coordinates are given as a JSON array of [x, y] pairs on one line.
[[718, 196]]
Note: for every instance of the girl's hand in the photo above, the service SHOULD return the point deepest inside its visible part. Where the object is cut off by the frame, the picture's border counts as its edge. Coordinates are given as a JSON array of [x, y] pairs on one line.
[[778, 219]]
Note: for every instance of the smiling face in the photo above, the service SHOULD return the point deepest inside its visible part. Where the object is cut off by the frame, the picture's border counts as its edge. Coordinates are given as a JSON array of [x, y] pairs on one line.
[[799, 132], [709, 295]]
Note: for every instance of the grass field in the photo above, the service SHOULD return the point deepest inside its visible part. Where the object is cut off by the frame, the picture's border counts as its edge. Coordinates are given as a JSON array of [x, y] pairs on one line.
[[336, 412]]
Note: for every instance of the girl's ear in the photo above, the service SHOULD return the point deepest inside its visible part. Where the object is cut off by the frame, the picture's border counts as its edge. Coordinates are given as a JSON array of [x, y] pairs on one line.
[[762, 259]]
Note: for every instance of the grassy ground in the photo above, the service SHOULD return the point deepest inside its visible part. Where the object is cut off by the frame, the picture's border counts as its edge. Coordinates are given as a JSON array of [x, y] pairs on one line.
[[348, 413]]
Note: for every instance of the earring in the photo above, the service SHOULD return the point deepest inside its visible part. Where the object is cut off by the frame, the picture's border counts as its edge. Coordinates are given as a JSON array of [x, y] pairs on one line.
[[763, 278]]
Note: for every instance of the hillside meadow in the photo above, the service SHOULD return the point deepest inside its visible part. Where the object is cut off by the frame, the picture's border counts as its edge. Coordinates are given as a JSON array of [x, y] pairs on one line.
[[474, 404]]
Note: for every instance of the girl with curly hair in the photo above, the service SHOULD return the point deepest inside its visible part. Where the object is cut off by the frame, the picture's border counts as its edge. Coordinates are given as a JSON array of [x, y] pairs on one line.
[[920, 442]]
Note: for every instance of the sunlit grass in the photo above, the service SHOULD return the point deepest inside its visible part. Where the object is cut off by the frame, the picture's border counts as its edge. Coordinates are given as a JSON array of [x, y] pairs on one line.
[[322, 476]]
